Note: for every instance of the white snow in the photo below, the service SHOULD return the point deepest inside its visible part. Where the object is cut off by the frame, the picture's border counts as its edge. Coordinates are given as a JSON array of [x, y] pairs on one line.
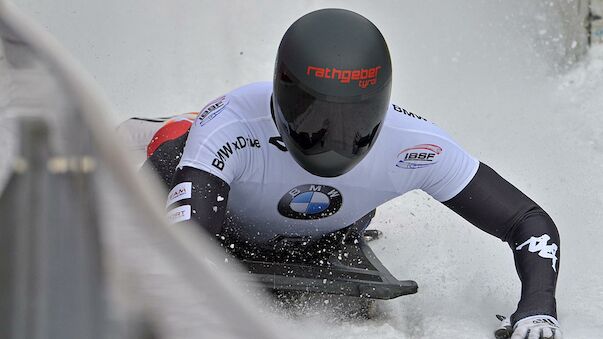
[[485, 71]]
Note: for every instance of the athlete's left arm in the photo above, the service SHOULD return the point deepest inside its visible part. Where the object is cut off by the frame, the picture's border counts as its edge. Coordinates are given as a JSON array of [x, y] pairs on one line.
[[499, 208]]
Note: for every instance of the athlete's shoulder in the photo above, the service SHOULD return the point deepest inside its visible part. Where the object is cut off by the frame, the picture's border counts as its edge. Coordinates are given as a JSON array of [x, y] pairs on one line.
[[239, 105], [251, 101], [425, 154]]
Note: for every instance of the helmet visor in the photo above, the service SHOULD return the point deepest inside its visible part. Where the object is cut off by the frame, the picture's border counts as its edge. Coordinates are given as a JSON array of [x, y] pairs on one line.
[[328, 136]]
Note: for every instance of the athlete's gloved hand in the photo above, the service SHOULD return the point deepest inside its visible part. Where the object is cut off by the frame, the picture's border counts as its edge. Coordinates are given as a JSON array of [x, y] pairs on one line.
[[534, 327]]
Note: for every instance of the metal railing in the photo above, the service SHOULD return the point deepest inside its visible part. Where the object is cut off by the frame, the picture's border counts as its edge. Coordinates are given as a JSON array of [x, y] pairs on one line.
[[51, 270]]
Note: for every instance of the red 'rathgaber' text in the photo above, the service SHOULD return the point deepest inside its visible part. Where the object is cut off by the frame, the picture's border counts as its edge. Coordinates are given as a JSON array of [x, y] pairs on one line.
[[365, 77]]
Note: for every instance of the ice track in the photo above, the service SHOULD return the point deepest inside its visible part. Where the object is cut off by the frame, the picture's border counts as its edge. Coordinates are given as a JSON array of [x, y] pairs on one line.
[[483, 70]]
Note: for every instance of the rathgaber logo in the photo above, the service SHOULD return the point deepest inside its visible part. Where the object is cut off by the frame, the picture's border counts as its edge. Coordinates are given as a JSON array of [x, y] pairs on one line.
[[418, 156], [365, 76], [540, 245], [310, 202]]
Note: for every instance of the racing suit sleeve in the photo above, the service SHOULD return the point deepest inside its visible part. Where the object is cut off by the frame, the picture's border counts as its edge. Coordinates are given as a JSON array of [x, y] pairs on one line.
[[498, 208], [199, 196], [215, 154]]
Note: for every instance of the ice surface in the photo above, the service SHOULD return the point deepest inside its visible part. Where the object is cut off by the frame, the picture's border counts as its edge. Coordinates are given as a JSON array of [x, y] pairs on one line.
[[489, 72]]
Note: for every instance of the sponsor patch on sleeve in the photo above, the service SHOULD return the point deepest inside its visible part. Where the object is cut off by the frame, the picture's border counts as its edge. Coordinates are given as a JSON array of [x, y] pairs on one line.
[[418, 156], [541, 246], [180, 213], [179, 192], [212, 110]]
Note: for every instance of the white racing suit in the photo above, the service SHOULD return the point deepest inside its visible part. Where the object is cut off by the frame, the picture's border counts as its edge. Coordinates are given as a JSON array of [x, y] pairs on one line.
[[231, 173]]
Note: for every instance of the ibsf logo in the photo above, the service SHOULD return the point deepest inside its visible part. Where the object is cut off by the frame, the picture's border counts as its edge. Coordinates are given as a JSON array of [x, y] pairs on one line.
[[211, 110], [310, 202], [365, 76], [418, 156]]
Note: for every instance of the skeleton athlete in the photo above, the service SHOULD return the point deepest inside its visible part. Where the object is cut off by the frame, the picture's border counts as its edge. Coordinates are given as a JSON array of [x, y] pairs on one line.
[[321, 146]]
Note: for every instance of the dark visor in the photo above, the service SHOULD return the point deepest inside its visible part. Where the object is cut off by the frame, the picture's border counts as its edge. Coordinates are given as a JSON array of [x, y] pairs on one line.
[[328, 138]]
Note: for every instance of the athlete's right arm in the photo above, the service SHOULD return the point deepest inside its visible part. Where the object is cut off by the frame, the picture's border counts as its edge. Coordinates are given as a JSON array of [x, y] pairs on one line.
[[199, 196], [214, 156]]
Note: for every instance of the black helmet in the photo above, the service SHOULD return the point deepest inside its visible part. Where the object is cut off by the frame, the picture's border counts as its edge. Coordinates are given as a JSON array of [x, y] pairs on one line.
[[332, 85]]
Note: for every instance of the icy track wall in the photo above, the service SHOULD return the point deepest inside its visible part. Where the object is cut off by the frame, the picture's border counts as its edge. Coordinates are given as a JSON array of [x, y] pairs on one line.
[[494, 74]]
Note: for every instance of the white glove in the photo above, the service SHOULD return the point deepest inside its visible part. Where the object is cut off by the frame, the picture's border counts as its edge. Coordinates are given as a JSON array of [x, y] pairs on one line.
[[534, 327]]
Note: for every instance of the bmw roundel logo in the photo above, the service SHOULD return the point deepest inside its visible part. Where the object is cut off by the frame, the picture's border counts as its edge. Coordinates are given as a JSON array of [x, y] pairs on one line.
[[310, 202]]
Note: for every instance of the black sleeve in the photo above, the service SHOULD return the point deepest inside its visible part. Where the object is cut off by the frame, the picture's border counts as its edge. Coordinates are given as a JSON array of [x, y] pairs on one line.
[[165, 159], [208, 197], [498, 208]]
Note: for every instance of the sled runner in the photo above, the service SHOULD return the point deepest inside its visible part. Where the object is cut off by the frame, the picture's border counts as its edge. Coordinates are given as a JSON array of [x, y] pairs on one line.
[[341, 264]]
